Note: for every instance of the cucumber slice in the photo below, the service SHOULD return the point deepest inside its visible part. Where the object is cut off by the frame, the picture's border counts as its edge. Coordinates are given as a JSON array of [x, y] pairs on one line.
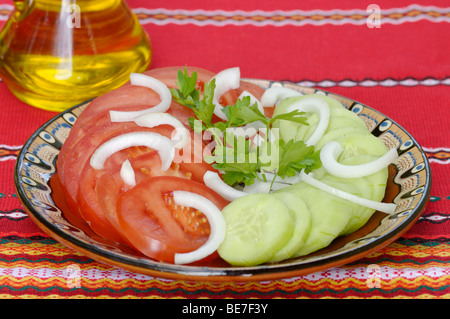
[[301, 228], [355, 142], [376, 182], [341, 134], [329, 216], [290, 130], [339, 117], [371, 187], [348, 119], [258, 225], [361, 144], [358, 187]]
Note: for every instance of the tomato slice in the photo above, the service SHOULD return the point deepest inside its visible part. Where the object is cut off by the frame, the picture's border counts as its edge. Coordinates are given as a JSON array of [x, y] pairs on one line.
[[82, 151], [168, 75], [138, 97], [79, 131], [127, 98], [254, 89], [157, 227], [99, 190], [110, 186], [87, 199]]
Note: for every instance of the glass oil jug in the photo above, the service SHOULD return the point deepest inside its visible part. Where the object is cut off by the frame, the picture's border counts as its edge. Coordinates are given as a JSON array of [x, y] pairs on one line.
[[55, 54]]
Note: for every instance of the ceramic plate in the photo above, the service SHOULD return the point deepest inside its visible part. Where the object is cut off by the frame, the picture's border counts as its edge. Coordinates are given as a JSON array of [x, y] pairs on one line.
[[408, 186]]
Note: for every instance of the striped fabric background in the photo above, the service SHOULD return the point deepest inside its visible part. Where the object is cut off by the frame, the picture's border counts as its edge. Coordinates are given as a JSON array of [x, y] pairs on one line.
[[401, 68]]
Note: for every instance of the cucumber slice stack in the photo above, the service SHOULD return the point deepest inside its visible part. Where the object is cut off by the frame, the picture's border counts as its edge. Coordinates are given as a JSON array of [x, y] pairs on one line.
[[300, 219]]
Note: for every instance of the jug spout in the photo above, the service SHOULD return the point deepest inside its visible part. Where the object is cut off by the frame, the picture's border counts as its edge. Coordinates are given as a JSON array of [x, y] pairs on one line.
[[58, 53]]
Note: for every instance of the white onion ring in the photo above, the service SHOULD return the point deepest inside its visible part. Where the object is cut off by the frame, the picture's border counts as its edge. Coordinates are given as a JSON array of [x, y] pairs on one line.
[[314, 105], [330, 153], [213, 181], [127, 174], [161, 144], [258, 187], [216, 222], [388, 208], [273, 95], [149, 82], [156, 119], [228, 79]]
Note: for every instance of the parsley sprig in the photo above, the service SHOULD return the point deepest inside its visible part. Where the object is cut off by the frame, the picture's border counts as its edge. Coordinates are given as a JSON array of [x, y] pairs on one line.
[[234, 155]]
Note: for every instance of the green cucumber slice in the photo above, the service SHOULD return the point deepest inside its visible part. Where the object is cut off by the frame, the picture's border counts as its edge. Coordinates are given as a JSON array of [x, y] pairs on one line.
[[288, 129], [340, 117], [371, 187], [359, 144], [358, 187], [301, 228], [341, 134], [350, 119], [329, 216], [258, 225]]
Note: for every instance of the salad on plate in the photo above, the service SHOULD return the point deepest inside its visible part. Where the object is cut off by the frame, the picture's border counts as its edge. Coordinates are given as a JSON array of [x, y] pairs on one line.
[[188, 166]]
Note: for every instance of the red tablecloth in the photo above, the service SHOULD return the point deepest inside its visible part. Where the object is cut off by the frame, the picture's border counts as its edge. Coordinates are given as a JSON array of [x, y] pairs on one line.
[[401, 68]]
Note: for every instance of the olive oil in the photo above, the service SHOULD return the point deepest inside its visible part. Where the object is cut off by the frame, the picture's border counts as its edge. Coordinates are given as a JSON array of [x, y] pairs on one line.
[[56, 54]]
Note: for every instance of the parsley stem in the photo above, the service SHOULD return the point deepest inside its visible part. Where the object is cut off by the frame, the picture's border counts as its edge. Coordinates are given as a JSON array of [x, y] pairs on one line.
[[264, 177], [273, 180]]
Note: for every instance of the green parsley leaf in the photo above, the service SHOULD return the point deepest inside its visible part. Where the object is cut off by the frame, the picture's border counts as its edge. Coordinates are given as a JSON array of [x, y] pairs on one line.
[[242, 113], [293, 116], [296, 156], [188, 95]]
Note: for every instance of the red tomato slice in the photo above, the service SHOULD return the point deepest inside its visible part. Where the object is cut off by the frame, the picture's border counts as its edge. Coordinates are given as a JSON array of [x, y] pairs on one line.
[[128, 98], [82, 151], [110, 185], [99, 189], [157, 227], [102, 119], [168, 75], [87, 200], [78, 132], [254, 89], [137, 96]]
